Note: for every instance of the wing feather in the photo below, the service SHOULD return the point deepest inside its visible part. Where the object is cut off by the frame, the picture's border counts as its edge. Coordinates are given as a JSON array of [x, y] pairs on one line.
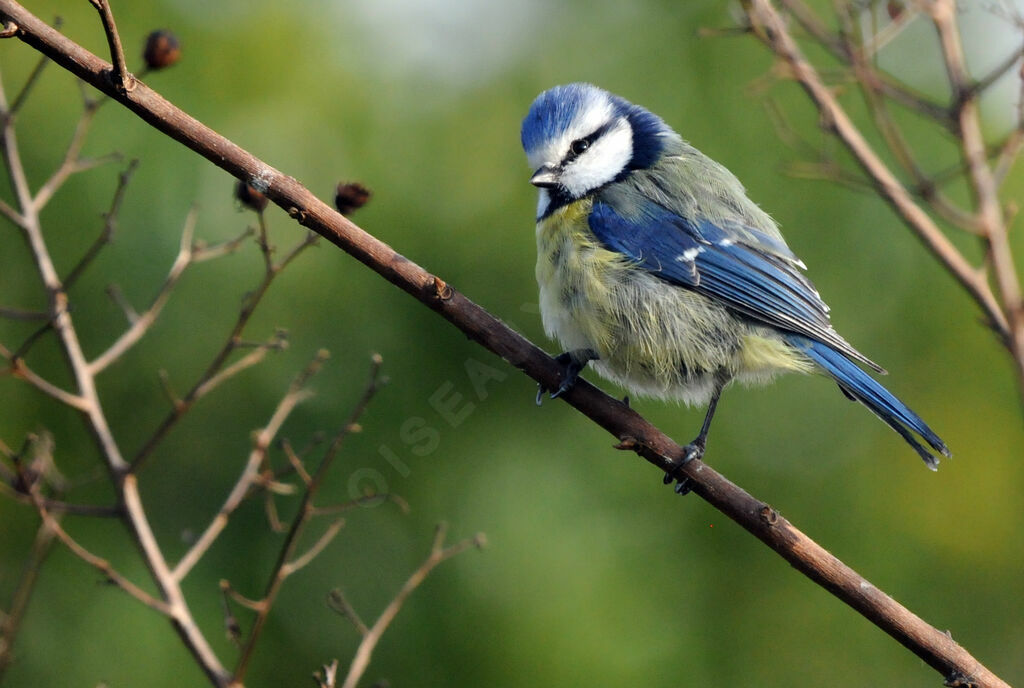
[[760, 283]]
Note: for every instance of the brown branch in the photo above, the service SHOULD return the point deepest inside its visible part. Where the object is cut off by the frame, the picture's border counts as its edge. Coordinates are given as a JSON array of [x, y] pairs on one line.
[[438, 554], [933, 646]]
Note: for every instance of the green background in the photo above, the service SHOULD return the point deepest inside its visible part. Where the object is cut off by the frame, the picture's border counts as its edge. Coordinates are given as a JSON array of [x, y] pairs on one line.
[[595, 573]]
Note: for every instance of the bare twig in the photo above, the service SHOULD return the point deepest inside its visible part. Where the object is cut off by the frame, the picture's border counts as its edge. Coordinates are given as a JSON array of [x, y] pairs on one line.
[[438, 554], [932, 645], [19, 314], [121, 77], [304, 559], [20, 370], [109, 226], [140, 323], [100, 564], [285, 564], [72, 163], [216, 372], [771, 29], [297, 392], [26, 88], [62, 507], [898, 92], [337, 601], [10, 624]]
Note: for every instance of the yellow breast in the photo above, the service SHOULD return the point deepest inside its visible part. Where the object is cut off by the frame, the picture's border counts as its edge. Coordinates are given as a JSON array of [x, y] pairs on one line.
[[578, 279]]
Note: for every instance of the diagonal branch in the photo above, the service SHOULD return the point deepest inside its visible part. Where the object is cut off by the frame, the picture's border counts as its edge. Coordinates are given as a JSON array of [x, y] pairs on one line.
[[936, 648]]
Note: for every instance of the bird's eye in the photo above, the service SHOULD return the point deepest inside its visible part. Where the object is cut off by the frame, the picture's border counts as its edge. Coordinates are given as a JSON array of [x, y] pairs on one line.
[[578, 146]]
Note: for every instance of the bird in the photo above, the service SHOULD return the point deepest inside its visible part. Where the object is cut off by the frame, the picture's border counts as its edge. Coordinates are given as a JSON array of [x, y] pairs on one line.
[[655, 267]]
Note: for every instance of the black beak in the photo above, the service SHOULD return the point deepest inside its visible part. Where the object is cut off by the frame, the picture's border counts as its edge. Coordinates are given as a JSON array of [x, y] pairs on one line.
[[546, 177]]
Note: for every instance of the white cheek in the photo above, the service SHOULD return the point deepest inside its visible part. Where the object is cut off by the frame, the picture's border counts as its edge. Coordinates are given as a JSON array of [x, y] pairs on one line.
[[601, 163]]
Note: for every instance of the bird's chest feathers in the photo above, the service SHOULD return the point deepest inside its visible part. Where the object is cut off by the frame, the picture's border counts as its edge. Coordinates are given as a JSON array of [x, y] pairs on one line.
[[581, 283]]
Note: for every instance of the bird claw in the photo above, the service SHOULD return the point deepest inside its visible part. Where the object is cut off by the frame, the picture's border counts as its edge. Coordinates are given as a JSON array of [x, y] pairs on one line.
[[571, 369], [694, 450]]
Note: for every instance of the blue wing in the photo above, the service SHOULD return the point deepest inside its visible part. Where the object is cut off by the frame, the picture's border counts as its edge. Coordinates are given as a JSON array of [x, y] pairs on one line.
[[762, 283]]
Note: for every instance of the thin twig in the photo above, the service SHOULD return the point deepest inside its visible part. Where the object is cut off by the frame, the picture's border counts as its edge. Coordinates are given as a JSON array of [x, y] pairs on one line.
[[898, 92], [140, 323], [121, 77], [216, 372], [438, 554], [62, 507], [19, 314], [20, 370], [100, 564], [870, 83], [109, 226], [26, 88], [310, 554], [337, 601], [261, 442], [42, 545], [71, 163]]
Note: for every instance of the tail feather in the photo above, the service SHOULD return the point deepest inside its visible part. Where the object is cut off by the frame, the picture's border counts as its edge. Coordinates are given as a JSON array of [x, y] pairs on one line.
[[858, 385]]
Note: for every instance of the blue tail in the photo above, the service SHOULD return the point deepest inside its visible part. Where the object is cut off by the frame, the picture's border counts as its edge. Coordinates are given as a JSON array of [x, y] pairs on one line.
[[858, 385]]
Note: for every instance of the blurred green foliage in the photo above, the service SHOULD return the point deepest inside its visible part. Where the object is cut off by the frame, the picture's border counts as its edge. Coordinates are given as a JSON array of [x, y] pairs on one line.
[[595, 573]]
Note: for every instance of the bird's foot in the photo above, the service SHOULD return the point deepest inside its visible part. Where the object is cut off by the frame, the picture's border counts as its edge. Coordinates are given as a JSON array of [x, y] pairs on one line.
[[571, 368], [694, 450]]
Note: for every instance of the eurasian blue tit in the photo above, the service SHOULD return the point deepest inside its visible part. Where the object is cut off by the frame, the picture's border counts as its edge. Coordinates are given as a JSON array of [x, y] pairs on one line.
[[655, 266]]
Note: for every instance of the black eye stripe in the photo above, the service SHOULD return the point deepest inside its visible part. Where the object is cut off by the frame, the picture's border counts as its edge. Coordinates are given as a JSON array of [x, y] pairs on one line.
[[577, 147]]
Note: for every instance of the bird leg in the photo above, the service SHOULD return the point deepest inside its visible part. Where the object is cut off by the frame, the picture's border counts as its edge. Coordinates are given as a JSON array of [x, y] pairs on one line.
[[695, 449], [572, 362]]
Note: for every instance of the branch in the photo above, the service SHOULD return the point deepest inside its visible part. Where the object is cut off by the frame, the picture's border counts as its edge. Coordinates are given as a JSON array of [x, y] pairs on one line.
[[933, 646], [371, 636]]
